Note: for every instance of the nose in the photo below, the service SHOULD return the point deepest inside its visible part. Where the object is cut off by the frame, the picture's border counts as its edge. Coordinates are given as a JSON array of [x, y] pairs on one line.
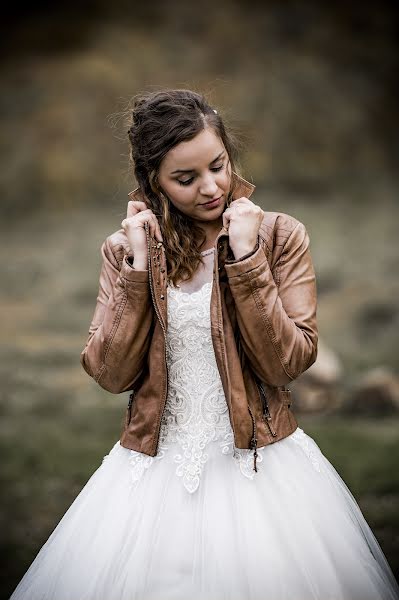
[[208, 186]]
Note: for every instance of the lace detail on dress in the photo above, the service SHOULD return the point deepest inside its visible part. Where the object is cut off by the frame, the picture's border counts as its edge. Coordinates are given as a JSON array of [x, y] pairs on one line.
[[304, 441], [196, 411], [244, 457], [139, 462]]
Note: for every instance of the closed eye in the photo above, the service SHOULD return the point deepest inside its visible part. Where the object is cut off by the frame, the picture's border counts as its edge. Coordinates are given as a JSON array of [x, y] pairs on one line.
[[189, 181]]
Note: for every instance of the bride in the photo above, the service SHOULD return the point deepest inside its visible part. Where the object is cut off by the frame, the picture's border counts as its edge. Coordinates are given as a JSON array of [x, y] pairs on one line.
[[206, 311]]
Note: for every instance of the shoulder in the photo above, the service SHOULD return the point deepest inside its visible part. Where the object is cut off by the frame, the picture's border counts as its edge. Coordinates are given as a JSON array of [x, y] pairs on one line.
[[278, 227]]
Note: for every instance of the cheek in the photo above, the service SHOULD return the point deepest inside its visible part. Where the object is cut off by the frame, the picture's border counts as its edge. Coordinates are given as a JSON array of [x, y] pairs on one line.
[[224, 180], [181, 197]]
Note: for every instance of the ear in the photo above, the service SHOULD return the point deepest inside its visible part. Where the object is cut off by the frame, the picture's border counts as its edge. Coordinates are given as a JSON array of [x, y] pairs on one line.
[[241, 187]]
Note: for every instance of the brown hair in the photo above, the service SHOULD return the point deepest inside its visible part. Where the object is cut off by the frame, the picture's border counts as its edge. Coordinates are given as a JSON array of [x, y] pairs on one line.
[[159, 121]]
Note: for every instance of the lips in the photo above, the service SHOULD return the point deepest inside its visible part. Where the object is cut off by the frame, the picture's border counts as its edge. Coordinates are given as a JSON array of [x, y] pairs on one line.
[[211, 201]]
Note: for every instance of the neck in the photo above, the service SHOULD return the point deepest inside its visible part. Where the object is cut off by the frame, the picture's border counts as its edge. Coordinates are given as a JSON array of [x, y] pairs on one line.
[[211, 231]]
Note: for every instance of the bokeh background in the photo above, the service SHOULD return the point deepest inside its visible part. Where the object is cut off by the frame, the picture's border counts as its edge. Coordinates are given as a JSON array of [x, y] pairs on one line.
[[312, 87]]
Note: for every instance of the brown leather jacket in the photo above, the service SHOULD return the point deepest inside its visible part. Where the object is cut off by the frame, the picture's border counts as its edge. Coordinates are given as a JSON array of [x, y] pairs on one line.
[[263, 326]]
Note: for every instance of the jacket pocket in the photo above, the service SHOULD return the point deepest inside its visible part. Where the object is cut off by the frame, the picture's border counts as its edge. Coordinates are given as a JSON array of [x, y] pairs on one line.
[[129, 407], [265, 407]]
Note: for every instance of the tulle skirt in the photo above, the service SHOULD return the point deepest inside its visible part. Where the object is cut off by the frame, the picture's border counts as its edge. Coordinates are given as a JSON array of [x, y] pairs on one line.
[[291, 531]]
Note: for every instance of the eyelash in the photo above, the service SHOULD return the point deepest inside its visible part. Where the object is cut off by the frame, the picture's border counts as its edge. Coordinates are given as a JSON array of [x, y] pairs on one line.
[[215, 169]]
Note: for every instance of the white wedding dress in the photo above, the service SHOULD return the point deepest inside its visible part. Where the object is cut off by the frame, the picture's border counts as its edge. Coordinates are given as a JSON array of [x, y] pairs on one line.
[[196, 522]]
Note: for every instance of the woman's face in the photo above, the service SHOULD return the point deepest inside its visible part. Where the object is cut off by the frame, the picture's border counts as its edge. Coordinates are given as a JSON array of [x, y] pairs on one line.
[[196, 175]]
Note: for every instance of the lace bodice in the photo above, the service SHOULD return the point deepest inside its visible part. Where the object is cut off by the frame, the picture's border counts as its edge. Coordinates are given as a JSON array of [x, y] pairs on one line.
[[196, 412]]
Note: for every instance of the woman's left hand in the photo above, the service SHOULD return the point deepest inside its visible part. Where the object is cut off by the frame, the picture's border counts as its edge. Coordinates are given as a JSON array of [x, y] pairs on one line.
[[242, 219]]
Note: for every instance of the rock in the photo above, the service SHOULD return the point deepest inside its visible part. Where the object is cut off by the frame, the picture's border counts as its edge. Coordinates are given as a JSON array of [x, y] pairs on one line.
[[376, 394], [327, 369], [316, 389], [310, 397]]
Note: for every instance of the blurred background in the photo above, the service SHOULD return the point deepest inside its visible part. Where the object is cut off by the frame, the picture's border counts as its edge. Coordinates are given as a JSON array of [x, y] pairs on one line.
[[312, 88]]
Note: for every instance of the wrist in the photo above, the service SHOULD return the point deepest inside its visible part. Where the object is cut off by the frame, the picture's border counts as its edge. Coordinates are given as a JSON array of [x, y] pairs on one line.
[[244, 250], [139, 266]]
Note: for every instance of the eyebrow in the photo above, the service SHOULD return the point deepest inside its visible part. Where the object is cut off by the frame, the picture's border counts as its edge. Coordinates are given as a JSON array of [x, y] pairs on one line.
[[191, 170]]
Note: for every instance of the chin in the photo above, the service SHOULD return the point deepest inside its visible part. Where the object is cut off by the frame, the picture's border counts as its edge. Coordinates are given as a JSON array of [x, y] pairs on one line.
[[212, 215]]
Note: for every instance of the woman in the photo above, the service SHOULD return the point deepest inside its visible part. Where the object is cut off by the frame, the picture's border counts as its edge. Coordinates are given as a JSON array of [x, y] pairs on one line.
[[206, 310]]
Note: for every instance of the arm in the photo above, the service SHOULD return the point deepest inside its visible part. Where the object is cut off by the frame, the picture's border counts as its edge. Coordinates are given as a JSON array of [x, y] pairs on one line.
[[119, 333], [277, 322]]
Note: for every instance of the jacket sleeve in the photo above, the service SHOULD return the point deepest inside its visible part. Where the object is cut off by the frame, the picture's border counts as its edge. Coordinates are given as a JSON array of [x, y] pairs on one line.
[[119, 333], [277, 319]]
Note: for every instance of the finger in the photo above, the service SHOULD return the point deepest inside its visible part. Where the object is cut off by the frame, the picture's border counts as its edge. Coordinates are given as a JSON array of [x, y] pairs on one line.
[[240, 201], [152, 225], [158, 233], [135, 206], [144, 214], [140, 218], [226, 218], [157, 230]]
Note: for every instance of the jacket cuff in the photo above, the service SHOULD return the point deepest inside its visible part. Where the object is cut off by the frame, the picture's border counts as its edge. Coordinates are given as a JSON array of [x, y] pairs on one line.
[[129, 273], [232, 260], [246, 263]]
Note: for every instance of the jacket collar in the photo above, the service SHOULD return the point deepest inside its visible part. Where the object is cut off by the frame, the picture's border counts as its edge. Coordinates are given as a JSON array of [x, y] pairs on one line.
[[241, 187]]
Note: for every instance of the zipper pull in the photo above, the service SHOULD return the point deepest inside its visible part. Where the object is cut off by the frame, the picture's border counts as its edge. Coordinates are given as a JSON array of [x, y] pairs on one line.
[[254, 442], [266, 412], [268, 418], [254, 445], [129, 408]]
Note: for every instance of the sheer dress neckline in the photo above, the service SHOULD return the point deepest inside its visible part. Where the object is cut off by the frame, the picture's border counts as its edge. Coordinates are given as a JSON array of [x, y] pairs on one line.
[[202, 275]]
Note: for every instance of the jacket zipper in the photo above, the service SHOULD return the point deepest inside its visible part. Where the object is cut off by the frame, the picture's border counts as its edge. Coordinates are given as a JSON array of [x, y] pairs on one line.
[[129, 407], [254, 439], [266, 412], [220, 318], [159, 318]]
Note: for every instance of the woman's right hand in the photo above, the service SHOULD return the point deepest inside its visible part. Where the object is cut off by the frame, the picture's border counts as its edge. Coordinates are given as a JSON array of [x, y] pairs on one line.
[[137, 215]]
